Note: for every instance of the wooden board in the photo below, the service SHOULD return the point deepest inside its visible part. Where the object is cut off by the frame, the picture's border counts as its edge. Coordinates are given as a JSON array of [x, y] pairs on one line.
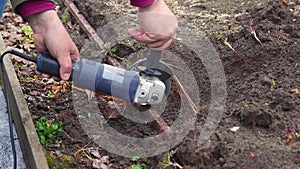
[[31, 148]]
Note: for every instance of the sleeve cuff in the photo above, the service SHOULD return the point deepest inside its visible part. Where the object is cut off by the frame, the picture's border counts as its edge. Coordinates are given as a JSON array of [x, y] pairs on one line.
[[141, 3], [33, 7]]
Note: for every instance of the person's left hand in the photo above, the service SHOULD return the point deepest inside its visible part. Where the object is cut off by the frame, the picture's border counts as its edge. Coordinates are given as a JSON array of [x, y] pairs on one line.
[[158, 26]]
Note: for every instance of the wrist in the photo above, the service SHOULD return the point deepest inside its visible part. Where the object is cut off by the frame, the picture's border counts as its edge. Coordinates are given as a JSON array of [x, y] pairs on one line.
[[158, 6], [43, 21]]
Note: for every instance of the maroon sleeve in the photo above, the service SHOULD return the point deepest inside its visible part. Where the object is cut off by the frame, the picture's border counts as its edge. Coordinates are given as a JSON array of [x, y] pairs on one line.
[[33, 7], [141, 3]]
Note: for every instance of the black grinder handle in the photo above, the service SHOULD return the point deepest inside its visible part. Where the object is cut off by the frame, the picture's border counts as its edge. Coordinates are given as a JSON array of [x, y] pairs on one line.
[[49, 65]]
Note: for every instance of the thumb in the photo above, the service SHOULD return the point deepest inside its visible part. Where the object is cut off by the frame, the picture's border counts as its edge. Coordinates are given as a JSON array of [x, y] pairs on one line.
[[65, 63]]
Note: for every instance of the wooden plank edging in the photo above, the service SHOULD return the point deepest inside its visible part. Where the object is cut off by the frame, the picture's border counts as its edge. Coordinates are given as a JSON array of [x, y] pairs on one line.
[[31, 148]]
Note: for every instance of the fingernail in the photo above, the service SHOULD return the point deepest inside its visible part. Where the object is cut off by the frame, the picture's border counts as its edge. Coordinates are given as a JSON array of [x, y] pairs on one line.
[[74, 58], [66, 76]]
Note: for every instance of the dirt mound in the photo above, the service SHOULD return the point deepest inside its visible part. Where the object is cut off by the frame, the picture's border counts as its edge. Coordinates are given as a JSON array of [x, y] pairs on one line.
[[260, 78]]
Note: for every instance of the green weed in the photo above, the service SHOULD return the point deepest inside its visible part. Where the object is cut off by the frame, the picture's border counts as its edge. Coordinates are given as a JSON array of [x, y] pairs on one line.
[[28, 34], [273, 85], [167, 161], [140, 163], [49, 95], [65, 15], [48, 131], [219, 36]]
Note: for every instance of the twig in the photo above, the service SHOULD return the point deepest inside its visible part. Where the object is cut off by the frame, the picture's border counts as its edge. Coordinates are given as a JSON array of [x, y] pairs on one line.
[[193, 105], [68, 135], [175, 67], [252, 31], [83, 148]]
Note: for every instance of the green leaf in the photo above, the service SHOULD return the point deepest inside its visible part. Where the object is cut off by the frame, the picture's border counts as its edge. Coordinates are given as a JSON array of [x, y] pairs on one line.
[[60, 129], [47, 131], [41, 128], [43, 119], [20, 65], [42, 139], [136, 166], [135, 158], [51, 136], [273, 85], [145, 159], [219, 36], [144, 166], [64, 18], [54, 126]]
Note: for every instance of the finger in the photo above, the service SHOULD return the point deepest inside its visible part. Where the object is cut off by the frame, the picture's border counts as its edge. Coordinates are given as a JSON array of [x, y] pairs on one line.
[[158, 37], [161, 45], [157, 44], [141, 37]]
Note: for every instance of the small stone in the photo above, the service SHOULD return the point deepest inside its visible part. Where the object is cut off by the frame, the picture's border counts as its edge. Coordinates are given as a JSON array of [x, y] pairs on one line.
[[234, 129], [221, 160], [105, 159], [103, 166]]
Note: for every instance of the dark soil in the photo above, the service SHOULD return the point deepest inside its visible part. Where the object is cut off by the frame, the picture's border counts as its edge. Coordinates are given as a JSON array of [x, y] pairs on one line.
[[262, 84]]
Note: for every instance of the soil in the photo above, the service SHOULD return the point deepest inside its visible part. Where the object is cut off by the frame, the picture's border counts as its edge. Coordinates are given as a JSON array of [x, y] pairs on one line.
[[262, 91]]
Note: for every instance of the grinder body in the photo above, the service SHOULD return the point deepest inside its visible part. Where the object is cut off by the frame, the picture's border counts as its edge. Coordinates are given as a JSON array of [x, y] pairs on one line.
[[129, 85]]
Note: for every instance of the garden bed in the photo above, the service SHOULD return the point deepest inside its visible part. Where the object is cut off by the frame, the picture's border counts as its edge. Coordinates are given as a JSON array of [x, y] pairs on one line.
[[262, 88]]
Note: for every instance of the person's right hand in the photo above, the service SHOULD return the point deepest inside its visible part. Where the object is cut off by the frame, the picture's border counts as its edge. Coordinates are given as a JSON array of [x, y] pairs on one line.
[[51, 37]]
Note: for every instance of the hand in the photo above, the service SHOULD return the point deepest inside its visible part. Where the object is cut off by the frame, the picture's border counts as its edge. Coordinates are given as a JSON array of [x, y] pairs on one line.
[[158, 26], [50, 36]]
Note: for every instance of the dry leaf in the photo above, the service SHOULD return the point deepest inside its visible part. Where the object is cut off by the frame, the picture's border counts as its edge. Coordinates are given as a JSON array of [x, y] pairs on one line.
[[95, 153], [295, 91], [90, 94], [97, 163], [55, 88], [52, 154]]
